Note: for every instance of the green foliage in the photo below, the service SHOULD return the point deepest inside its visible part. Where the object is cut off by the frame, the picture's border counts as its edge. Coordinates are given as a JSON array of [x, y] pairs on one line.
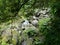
[[30, 32], [43, 21], [55, 9], [53, 37], [9, 8], [50, 28], [37, 41], [4, 43], [43, 24]]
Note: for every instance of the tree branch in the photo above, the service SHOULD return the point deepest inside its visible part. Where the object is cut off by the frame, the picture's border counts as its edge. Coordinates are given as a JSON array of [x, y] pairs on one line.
[[20, 6]]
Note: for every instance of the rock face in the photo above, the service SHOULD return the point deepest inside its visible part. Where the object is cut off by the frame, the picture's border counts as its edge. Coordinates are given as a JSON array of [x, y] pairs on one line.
[[24, 43], [34, 17], [25, 24], [43, 11], [14, 33], [35, 22]]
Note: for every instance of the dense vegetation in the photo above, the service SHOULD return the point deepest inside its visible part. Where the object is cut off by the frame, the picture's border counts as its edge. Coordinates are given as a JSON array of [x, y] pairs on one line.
[[47, 29]]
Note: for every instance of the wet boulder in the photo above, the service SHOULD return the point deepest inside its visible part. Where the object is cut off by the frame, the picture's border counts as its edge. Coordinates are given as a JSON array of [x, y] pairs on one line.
[[25, 24], [34, 22]]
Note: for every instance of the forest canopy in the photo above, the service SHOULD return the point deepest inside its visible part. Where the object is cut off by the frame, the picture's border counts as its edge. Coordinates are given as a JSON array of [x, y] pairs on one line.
[[10, 8]]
